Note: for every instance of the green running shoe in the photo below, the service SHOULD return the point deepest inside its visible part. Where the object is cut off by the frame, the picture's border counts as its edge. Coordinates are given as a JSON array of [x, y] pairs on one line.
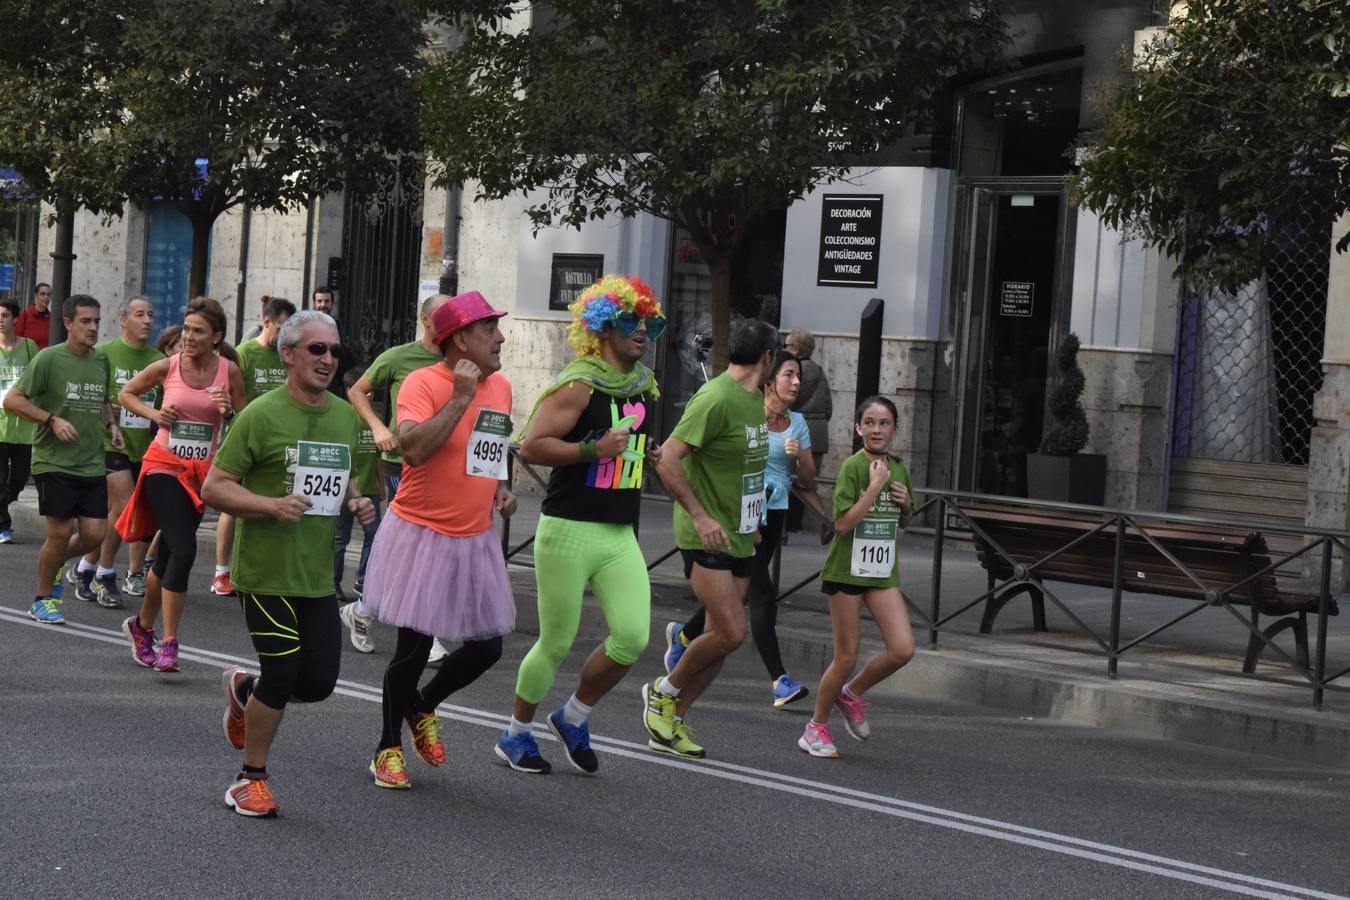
[[681, 744], [658, 714]]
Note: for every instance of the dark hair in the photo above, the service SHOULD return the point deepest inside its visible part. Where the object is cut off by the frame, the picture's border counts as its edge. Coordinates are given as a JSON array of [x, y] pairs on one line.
[[278, 307], [782, 358], [11, 306], [40, 285], [876, 400], [750, 340], [167, 339], [211, 310], [321, 289], [74, 302]]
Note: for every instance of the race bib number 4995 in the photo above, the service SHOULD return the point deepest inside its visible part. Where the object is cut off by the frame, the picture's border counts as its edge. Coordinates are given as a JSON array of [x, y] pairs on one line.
[[486, 453]]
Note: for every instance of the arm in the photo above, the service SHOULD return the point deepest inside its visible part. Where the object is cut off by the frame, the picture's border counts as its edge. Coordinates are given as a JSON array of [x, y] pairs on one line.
[[878, 478], [150, 377], [673, 477], [110, 423], [358, 395], [421, 440], [357, 502], [17, 402], [557, 415], [224, 491], [806, 475]]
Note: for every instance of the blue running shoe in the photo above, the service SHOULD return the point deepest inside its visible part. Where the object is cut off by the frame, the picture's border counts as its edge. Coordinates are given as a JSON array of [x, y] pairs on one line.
[[786, 691], [59, 582], [6, 536], [576, 740], [83, 583], [522, 753], [675, 645], [47, 610]]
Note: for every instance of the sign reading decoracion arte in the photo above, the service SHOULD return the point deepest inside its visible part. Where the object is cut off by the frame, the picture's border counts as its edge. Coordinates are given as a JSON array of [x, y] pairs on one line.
[[572, 274], [850, 240]]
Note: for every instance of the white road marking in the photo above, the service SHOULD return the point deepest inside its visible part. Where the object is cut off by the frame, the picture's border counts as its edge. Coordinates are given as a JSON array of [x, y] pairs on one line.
[[1180, 870]]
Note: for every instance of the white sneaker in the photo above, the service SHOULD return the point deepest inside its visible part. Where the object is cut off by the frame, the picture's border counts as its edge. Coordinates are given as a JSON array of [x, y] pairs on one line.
[[358, 626], [438, 653]]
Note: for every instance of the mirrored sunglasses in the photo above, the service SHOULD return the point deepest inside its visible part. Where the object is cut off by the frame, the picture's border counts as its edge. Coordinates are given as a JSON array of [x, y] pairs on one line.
[[628, 324]]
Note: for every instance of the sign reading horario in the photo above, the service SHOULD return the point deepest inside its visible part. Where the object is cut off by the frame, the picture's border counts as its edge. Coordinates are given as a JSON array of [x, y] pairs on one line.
[[850, 240]]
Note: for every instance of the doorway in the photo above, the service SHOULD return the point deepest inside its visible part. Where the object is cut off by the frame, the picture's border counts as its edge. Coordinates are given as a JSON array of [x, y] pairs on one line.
[[1015, 249]]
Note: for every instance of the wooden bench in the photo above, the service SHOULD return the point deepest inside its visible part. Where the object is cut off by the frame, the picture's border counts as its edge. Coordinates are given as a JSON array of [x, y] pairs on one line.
[[1219, 558]]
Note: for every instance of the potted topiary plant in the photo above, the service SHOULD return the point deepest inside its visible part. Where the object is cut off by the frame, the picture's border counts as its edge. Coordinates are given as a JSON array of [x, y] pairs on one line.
[[1061, 471]]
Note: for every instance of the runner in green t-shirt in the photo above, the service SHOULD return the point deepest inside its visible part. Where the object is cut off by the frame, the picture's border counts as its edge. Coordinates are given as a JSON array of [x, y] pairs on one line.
[[713, 466], [873, 502], [263, 371], [388, 372], [65, 390], [16, 434], [127, 356], [285, 469]]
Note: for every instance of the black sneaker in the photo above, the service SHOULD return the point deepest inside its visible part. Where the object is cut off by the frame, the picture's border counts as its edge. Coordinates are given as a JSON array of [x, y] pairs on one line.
[[83, 582], [106, 592]]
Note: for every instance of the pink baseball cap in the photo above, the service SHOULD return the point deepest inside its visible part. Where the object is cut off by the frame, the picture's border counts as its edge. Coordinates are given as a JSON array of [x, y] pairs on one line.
[[460, 311]]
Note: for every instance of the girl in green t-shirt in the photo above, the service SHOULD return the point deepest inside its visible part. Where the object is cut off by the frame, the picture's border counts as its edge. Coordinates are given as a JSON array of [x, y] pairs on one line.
[[873, 502]]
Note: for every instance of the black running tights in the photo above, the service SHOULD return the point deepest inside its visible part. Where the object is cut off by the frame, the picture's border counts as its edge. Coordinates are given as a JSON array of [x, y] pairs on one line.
[[458, 670]]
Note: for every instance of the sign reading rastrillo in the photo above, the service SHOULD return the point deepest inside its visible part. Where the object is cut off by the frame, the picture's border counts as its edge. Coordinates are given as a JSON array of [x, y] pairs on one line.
[[850, 240]]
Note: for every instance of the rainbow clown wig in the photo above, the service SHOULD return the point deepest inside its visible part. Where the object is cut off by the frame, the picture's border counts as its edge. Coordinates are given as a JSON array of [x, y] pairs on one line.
[[602, 303]]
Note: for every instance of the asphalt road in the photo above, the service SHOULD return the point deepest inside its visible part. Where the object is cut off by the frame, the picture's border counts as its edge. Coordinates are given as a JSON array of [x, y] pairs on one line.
[[113, 777]]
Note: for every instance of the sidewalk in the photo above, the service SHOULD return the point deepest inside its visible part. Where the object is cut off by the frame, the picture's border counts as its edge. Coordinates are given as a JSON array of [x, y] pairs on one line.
[[1182, 684]]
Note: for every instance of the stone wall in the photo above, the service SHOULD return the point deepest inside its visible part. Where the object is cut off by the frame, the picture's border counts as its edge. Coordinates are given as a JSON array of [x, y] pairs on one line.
[[109, 260], [1128, 401]]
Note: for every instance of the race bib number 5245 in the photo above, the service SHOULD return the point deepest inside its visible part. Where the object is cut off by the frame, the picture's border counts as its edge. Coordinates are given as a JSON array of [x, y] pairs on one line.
[[321, 475]]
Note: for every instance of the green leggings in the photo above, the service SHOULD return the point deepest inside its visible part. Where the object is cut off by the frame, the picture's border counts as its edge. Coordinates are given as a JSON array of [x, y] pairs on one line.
[[567, 555]]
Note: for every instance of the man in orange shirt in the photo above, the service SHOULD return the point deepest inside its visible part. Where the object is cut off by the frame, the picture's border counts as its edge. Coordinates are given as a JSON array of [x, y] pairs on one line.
[[436, 568], [35, 321]]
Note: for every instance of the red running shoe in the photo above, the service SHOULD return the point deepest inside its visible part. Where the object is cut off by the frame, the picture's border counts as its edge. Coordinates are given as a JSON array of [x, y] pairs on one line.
[[251, 797], [231, 679]]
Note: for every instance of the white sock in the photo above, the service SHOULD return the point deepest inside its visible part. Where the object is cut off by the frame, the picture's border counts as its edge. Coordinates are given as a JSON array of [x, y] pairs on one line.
[[575, 712], [104, 573], [360, 609], [666, 687], [848, 690], [222, 570], [517, 727], [84, 566]]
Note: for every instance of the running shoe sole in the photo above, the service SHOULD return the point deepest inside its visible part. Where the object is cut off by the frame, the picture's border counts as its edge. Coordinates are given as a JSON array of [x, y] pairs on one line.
[[506, 759], [818, 754], [567, 753], [131, 638], [672, 631], [799, 694], [663, 747]]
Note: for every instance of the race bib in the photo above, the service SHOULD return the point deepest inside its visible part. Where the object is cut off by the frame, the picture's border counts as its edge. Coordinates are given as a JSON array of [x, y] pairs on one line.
[[752, 502], [485, 456], [128, 419], [874, 548], [321, 474], [190, 440]]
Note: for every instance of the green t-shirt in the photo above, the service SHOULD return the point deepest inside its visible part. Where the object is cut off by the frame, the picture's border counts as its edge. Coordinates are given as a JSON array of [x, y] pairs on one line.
[[366, 462], [125, 362], [262, 368], [266, 443], [879, 528], [14, 430], [73, 388], [724, 423], [389, 370]]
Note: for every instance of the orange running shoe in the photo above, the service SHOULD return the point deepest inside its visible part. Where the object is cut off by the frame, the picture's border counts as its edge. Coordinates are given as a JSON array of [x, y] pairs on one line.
[[230, 679], [390, 770], [426, 735], [251, 797]]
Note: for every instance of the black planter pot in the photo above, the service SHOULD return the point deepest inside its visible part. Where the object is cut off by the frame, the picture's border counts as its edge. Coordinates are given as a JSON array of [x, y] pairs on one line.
[[1080, 478]]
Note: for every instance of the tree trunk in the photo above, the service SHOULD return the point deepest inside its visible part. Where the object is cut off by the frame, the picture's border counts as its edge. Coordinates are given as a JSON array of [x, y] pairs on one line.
[[201, 237], [63, 261], [719, 266]]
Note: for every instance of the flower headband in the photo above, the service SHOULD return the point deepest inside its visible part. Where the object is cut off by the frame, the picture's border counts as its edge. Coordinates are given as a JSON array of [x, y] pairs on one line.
[[602, 304]]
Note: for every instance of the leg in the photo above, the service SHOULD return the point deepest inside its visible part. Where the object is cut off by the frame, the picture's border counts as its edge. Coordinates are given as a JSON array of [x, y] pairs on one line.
[[8, 492], [564, 559], [845, 610], [888, 609], [723, 596], [120, 486], [400, 683], [168, 582], [624, 593], [763, 597], [367, 541], [274, 628], [459, 670], [342, 536], [55, 551]]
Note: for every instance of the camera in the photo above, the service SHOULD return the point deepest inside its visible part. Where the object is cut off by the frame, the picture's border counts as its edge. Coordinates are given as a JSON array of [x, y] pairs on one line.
[[703, 343]]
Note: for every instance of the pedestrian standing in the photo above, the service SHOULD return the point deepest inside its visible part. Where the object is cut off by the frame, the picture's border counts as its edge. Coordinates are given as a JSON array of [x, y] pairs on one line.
[[201, 388], [16, 433], [595, 426], [816, 404], [713, 466], [35, 322], [437, 567], [873, 502], [285, 470], [64, 390]]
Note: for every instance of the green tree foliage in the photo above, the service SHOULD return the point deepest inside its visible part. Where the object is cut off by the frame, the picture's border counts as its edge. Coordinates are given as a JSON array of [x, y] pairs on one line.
[[105, 101], [1237, 118], [1068, 431], [703, 112]]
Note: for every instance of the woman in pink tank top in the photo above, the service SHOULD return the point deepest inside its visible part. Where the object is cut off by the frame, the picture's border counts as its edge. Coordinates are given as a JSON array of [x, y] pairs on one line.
[[202, 388]]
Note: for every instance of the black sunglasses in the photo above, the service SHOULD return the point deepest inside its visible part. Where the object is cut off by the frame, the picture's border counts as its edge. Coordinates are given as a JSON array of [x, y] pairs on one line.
[[319, 348]]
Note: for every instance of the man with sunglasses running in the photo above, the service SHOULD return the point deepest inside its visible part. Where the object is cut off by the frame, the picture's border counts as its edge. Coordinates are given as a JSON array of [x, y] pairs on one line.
[[594, 426]]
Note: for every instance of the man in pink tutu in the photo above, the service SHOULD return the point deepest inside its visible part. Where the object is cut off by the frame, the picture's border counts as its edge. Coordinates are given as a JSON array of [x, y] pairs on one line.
[[437, 567]]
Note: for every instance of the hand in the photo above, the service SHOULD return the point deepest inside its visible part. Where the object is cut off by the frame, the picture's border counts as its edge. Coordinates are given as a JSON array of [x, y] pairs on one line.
[[653, 454], [64, 431], [167, 416], [222, 400], [900, 494], [878, 473], [466, 379], [712, 535], [792, 447], [612, 443], [504, 502], [290, 508], [384, 439], [826, 532], [364, 509], [115, 437]]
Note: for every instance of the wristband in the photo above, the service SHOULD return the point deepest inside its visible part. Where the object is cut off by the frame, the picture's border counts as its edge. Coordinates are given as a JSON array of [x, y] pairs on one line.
[[48, 424], [587, 450]]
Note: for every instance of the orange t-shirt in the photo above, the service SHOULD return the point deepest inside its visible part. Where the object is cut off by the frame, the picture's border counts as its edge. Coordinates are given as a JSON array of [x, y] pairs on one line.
[[439, 494]]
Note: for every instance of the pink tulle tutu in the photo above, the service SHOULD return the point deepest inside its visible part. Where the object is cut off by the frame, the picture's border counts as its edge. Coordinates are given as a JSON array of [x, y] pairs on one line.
[[455, 588]]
